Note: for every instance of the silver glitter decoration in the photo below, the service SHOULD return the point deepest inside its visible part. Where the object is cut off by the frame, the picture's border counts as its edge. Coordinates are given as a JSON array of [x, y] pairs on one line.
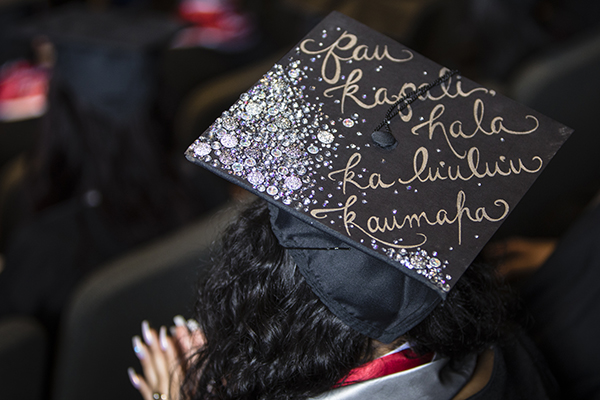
[[253, 108], [276, 153], [293, 152], [237, 167], [226, 158], [283, 123], [267, 136], [325, 137], [202, 149], [293, 182], [229, 123], [229, 141], [256, 178], [423, 264]]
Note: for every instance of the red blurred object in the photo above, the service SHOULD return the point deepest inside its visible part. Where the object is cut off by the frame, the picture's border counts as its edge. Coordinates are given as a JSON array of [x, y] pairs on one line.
[[216, 24], [23, 91]]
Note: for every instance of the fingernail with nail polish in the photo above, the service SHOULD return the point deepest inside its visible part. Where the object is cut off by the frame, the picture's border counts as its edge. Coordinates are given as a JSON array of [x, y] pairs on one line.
[[163, 338], [193, 325], [146, 333], [137, 347], [179, 320], [133, 378], [172, 331]]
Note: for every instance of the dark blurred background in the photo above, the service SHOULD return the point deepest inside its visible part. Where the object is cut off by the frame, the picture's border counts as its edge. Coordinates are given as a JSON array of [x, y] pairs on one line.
[[103, 222]]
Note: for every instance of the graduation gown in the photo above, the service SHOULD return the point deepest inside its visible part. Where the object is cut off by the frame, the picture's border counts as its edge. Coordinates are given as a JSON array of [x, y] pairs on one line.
[[512, 369]]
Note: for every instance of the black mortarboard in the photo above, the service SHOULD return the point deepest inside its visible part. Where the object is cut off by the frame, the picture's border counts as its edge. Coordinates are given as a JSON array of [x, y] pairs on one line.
[[386, 173]]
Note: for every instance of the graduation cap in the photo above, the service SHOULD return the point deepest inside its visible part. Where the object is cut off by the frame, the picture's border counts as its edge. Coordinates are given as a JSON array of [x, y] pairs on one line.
[[385, 172]]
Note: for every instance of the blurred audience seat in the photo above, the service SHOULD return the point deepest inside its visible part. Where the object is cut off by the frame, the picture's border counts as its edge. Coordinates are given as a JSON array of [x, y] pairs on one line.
[[23, 352], [155, 283], [564, 85]]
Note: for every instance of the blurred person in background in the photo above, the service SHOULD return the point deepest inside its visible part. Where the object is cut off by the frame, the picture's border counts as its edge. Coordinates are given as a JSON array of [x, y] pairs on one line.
[[100, 179]]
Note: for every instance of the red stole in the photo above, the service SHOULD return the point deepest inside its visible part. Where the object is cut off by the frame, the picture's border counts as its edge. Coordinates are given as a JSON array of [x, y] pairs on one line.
[[386, 365]]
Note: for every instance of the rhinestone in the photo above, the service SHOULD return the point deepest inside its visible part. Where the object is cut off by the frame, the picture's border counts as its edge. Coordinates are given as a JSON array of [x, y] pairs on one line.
[[244, 97], [253, 108], [272, 128], [249, 162], [293, 182], [283, 170], [237, 167], [202, 149], [293, 152], [245, 142], [272, 190], [219, 132], [229, 141], [325, 137], [348, 123], [273, 111], [226, 158], [283, 123], [252, 153], [312, 149], [294, 73], [229, 123], [276, 153], [434, 262], [280, 85], [256, 178]]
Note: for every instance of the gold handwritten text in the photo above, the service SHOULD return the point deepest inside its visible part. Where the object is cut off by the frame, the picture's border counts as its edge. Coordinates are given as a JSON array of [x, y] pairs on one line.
[[347, 43], [377, 224]]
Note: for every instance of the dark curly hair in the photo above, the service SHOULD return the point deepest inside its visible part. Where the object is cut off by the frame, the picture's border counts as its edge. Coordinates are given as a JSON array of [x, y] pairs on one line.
[[268, 336]]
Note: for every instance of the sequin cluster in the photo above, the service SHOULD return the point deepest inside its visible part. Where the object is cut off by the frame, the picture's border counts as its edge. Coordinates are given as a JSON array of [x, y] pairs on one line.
[[271, 137], [424, 264]]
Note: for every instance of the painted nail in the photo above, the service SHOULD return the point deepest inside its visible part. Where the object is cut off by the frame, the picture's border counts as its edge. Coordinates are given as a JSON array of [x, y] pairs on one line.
[[193, 325], [173, 331], [179, 320], [163, 338], [146, 333], [133, 378], [138, 348]]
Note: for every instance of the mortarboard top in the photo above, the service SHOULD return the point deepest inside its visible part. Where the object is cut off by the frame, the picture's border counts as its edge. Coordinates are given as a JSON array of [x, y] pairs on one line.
[[422, 195]]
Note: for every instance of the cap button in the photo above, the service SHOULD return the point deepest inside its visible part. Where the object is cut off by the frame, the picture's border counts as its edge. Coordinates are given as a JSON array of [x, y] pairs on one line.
[[384, 139]]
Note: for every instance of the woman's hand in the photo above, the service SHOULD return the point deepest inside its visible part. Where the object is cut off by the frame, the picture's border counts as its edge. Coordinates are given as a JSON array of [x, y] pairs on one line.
[[164, 358]]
